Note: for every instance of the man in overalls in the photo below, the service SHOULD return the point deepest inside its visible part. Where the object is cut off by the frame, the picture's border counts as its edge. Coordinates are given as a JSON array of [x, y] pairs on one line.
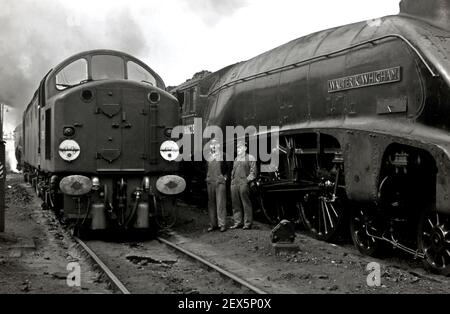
[[244, 171], [216, 179]]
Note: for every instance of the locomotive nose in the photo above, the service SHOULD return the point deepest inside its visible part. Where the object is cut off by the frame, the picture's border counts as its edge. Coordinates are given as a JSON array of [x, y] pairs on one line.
[[131, 125], [122, 119]]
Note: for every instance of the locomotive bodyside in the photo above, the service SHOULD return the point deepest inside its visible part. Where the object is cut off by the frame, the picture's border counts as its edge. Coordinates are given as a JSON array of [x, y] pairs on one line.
[[362, 114], [305, 92], [93, 134]]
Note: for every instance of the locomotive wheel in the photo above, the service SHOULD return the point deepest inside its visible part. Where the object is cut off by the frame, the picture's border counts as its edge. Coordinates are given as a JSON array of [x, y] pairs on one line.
[[272, 216], [434, 242], [362, 223], [322, 214], [272, 210]]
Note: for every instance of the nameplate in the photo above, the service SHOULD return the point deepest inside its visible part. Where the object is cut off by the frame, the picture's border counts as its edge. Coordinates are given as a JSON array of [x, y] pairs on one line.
[[373, 78]]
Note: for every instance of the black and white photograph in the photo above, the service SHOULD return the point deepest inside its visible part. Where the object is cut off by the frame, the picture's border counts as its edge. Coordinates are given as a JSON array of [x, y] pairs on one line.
[[224, 152]]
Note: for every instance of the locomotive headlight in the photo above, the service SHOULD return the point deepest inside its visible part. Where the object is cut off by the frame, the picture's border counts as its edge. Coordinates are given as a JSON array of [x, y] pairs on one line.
[[154, 97], [95, 183], [69, 131], [168, 132], [69, 150]]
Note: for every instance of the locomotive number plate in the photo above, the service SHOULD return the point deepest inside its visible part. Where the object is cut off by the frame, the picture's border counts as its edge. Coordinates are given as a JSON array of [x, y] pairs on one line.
[[392, 105]]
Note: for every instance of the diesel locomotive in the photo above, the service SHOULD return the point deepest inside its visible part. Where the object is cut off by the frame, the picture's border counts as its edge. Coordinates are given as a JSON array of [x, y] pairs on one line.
[[91, 139], [364, 133]]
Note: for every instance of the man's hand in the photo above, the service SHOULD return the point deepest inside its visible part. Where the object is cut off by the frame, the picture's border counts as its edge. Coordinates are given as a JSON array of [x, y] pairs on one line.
[[222, 179]]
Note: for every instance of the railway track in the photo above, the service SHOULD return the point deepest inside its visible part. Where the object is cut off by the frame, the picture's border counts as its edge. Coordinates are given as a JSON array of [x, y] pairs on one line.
[[120, 286], [316, 269], [220, 270], [105, 270]]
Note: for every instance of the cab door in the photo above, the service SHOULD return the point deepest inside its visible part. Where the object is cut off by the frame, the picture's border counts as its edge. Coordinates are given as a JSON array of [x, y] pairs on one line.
[[44, 125]]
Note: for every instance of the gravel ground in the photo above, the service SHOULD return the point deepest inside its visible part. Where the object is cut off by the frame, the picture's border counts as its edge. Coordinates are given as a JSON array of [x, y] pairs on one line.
[[151, 267], [35, 251], [318, 267]]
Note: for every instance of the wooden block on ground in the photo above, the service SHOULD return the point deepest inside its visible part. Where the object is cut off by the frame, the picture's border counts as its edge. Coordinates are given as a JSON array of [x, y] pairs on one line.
[[285, 248]]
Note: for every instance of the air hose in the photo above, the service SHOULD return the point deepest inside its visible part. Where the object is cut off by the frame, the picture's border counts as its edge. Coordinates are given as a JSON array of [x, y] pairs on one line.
[[133, 212]]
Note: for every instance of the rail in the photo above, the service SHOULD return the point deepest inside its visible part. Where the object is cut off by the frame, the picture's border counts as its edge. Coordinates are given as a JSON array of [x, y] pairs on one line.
[[119, 285], [220, 270]]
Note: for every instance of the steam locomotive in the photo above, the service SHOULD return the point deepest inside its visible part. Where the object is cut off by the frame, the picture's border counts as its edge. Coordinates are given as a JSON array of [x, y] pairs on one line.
[[90, 143], [364, 134]]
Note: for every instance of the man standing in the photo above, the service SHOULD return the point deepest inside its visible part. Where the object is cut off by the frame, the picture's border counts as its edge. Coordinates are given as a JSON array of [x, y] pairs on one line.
[[244, 171], [216, 179]]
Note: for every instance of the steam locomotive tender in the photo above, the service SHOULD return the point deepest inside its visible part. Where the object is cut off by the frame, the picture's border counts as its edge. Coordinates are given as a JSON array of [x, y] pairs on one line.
[[91, 142], [364, 130]]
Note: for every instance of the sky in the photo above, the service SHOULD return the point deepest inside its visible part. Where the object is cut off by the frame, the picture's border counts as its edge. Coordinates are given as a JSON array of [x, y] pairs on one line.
[[176, 38]]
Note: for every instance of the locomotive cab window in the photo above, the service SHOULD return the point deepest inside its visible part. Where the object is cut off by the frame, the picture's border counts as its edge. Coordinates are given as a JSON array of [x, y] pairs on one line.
[[72, 75], [188, 104], [139, 74], [107, 67]]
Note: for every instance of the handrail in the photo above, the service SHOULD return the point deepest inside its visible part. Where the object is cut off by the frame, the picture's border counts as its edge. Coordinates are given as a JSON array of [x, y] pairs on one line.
[[328, 55]]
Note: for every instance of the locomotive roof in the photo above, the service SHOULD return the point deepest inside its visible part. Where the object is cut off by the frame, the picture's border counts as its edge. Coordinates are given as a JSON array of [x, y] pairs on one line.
[[428, 41], [189, 83], [196, 81], [69, 60], [56, 69]]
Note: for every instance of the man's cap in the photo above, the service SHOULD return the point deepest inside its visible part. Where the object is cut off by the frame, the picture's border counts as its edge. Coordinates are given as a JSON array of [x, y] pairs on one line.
[[241, 143]]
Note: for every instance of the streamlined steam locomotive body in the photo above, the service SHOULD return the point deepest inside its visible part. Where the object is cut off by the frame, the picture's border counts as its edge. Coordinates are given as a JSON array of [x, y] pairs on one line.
[[91, 142], [364, 130]]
